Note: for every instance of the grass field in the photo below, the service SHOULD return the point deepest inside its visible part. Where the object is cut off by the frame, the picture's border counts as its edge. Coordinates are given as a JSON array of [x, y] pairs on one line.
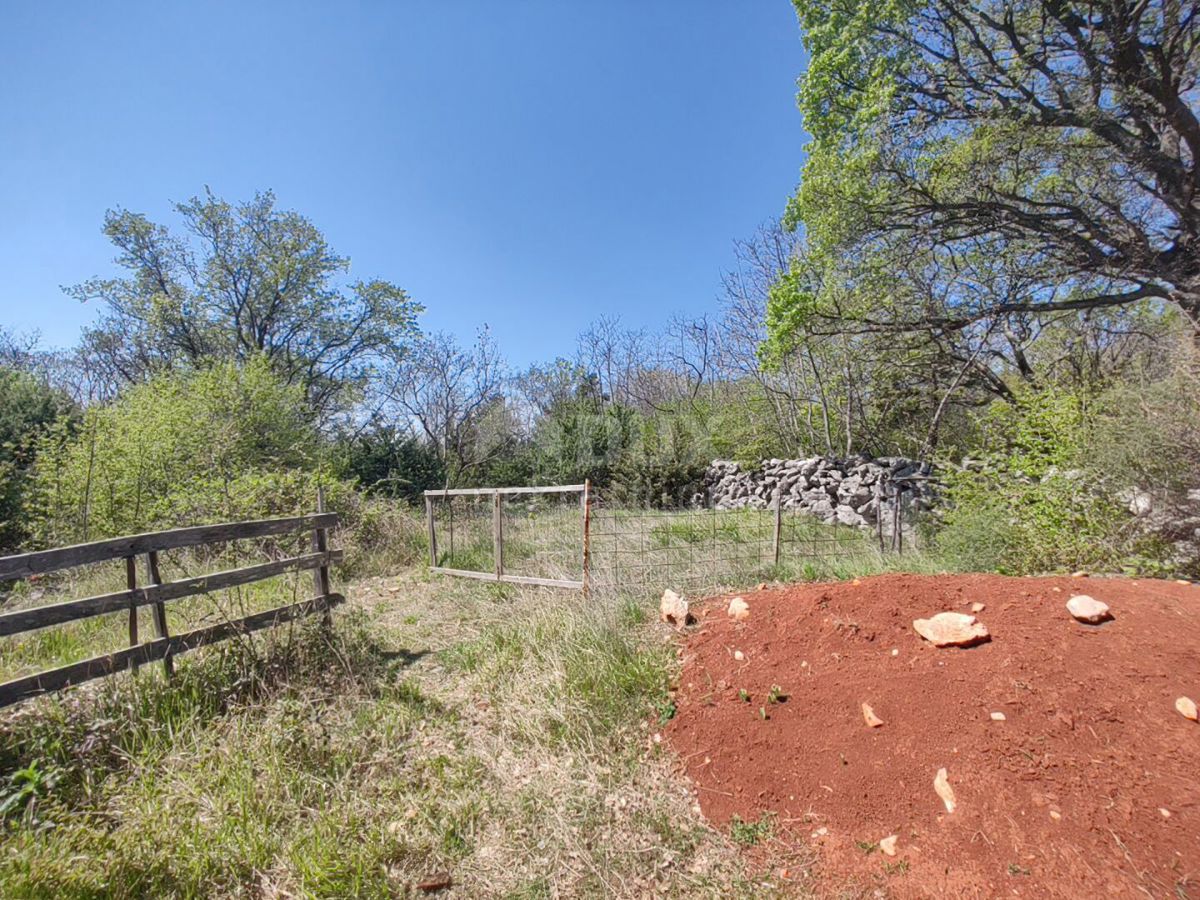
[[501, 735]]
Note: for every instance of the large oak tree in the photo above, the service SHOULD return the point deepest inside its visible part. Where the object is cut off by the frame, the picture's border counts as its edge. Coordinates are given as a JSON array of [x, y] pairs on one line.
[[1056, 141]]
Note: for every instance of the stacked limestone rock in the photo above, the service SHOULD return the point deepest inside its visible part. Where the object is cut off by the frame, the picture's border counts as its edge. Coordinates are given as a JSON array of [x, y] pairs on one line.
[[837, 491]]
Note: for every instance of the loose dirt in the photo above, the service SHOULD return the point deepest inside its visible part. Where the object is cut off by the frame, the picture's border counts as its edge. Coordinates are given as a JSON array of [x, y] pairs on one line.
[[1090, 784]]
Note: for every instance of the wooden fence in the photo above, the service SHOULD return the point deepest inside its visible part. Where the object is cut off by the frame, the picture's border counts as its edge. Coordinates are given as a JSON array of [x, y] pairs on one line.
[[156, 593]]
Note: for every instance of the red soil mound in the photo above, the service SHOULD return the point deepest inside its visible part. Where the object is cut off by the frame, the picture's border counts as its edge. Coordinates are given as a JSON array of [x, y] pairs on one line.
[[1090, 785]]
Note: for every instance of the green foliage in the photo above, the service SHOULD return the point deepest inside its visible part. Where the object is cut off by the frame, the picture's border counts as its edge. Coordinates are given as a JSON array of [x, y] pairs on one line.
[[665, 466], [582, 438], [747, 834], [28, 407], [1000, 148], [393, 464], [221, 443], [1033, 503], [254, 281]]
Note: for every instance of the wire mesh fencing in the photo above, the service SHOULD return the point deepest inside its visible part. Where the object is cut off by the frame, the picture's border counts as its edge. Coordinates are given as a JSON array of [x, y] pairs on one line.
[[567, 536], [703, 548]]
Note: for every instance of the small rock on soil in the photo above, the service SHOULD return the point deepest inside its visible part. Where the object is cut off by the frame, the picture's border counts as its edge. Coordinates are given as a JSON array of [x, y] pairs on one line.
[[872, 720], [951, 629], [739, 609], [673, 608], [1187, 708], [1088, 609], [941, 784]]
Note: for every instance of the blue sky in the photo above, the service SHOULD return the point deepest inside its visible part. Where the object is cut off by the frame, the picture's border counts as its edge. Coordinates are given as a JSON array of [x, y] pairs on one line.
[[531, 165]]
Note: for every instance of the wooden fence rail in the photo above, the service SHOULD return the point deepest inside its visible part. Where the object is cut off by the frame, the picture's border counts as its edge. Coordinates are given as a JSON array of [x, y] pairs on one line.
[[156, 593]]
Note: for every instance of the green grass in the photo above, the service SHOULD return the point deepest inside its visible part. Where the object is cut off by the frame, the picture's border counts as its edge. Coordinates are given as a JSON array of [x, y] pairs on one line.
[[747, 834], [502, 734]]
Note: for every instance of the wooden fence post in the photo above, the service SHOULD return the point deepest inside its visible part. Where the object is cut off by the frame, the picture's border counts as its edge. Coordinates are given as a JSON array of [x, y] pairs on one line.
[[778, 523], [159, 610], [320, 543], [498, 534], [131, 583], [432, 534], [587, 535]]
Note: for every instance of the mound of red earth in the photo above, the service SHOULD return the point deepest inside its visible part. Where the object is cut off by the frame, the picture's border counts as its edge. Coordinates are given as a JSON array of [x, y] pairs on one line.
[[1089, 783]]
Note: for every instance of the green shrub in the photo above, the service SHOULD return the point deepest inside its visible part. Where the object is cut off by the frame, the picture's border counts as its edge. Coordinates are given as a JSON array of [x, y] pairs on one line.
[[223, 443], [28, 406], [393, 464], [1032, 504]]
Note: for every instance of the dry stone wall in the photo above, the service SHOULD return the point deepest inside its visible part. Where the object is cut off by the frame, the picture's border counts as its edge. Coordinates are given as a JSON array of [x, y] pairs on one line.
[[837, 491]]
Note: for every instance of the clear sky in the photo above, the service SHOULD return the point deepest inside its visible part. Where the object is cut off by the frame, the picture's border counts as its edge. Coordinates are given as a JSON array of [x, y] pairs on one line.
[[531, 165]]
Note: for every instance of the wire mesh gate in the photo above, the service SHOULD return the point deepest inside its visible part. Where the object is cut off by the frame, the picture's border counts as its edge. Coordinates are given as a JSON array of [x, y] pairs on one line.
[[568, 536], [518, 535]]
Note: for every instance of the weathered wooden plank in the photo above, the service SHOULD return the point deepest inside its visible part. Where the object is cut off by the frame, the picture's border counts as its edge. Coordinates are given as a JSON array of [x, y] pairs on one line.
[[159, 610], [131, 584], [498, 534], [511, 579], [25, 564], [586, 501], [100, 666], [320, 544], [433, 554], [22, 620], [479, 492]]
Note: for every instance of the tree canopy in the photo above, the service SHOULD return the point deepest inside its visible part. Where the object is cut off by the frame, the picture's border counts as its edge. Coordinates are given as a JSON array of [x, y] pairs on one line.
[[972, 165], [242, 281]]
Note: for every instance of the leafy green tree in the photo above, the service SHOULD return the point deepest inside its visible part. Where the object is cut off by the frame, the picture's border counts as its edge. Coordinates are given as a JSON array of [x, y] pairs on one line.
[[28, 407], [392, 463], [1013, 158], [581, 439], [242, 282]]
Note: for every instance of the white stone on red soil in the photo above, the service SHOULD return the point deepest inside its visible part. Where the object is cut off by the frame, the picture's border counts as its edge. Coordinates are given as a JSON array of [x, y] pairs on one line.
[[1088, 609], [739, 609], [888, 844], [951, 629], [941, 784], [1186, 707], [673, 608], [998, 717], [978, 607], [739, 655], [872, 720]]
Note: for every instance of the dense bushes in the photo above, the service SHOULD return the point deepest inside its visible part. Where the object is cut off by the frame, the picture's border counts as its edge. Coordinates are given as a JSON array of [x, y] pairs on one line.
[[391, 463], [221, 443], [28, 407], [1055, 489]]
